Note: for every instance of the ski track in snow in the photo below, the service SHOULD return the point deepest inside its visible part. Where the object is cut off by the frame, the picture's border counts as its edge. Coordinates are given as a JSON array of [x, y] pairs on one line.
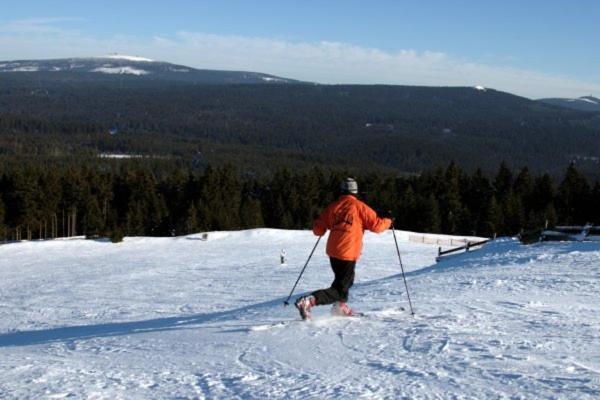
[[186, 318]]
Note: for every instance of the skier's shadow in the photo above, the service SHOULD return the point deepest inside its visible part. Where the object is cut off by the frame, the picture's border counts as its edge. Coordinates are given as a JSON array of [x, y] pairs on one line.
[[84, 332]]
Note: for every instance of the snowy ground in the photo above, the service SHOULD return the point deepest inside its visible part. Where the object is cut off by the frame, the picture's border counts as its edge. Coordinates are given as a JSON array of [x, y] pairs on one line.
[[185, 318]]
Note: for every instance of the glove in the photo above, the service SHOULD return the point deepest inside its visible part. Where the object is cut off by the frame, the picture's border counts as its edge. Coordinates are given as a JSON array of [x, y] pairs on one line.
[[319, 228], [391, 222], [386, 214]]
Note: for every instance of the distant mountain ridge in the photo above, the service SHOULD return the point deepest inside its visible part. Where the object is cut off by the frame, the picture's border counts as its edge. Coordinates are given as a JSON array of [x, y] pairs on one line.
[[118, 67], [585, 103]]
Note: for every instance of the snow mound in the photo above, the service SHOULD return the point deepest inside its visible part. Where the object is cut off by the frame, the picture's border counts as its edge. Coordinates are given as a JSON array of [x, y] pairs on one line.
[[480, 88]]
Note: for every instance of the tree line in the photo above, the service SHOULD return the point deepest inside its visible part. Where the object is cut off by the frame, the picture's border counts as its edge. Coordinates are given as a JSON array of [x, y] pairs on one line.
[[133, 198]]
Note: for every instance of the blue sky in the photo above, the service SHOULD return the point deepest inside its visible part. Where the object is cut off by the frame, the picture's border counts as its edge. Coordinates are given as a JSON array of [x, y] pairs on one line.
[[534, 48]]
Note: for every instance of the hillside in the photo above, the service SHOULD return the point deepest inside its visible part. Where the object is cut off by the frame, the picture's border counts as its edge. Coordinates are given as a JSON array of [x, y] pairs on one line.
[[181, 317], [261, 127]]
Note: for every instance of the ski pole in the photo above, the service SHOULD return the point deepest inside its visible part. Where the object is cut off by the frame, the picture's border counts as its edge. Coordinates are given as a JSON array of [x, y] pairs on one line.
[[402, 268], [286, 302]]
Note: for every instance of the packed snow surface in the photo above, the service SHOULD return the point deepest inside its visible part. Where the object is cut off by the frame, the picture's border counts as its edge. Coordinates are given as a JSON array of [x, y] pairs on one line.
[[190, 318]]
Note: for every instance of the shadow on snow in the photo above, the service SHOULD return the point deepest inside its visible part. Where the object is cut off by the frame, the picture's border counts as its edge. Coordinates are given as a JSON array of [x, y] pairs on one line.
[[83, 332]]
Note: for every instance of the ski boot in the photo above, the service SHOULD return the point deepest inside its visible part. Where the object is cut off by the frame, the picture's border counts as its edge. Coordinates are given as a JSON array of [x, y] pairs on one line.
[[341, 309], [304, 304]]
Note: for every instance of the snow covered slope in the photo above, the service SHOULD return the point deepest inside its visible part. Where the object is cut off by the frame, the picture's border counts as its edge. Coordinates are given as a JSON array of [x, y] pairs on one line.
[[186, 318]]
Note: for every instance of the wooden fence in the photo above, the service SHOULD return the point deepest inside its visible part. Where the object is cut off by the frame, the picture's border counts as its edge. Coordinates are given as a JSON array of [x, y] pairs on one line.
[[467, 247]]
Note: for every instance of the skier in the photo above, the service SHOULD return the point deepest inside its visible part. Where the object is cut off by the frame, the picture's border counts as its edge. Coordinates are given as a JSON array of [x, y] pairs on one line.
[[347, 218]]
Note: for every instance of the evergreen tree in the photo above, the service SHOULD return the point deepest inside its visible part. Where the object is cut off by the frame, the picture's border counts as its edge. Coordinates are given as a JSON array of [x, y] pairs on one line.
[[174, 189], [543, 193], [251, 213], [309, 197], [157, 213], [503, 182], [573, 197], [93, 221], [220, 198], [408, 215], [477, 194], [230, 198], [514, 214], [541, 203], [430, 216], [135, 219], [466, 223], [550, 216], [523, 188], [3, 233], [192, 219], [450, 201], [21, 204], [594, 210], [492, 222], [75, 193]]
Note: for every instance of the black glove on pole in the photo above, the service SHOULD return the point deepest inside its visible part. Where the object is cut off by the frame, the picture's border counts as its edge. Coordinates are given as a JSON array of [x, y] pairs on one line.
[[402, 268], [286, 302]]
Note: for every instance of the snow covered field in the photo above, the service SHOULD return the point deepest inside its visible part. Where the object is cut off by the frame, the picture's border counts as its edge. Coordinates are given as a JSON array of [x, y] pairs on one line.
[[186, 318]]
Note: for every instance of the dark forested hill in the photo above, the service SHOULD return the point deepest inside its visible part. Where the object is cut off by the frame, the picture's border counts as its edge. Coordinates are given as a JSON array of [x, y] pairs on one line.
[[261, 127]]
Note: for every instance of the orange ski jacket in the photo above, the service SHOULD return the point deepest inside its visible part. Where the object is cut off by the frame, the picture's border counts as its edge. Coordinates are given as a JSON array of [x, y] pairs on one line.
[[347, 218]]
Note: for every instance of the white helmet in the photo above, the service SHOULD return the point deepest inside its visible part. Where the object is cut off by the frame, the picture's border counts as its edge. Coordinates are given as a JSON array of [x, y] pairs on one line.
[[349, 185]]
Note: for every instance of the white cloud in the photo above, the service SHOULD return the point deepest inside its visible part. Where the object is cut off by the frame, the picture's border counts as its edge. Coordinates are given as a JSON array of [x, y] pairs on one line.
[[35, 25], [324, 62]]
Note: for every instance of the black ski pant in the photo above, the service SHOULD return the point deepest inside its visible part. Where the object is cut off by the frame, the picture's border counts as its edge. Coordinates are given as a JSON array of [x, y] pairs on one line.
[[344, 278]]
